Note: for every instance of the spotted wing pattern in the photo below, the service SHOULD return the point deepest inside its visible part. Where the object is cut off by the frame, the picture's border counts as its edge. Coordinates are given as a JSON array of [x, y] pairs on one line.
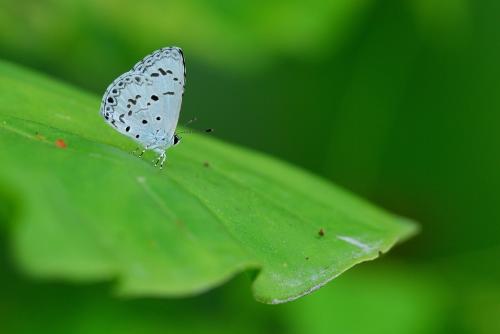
[[145, 102]]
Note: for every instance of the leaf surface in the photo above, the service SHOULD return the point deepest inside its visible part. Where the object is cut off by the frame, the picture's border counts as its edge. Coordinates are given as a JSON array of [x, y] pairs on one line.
[[85, 209]]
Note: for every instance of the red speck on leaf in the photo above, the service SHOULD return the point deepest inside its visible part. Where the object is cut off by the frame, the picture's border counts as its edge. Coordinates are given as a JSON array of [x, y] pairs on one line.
[[60, 143]]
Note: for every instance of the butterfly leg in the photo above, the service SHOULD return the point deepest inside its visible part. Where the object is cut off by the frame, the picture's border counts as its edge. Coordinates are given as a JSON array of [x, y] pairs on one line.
[[160, 160], [147, 147], [134, 152], [163, 160], [142, 152]]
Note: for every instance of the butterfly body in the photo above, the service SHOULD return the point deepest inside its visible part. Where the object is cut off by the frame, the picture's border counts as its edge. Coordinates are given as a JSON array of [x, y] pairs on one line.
[[144, 103]]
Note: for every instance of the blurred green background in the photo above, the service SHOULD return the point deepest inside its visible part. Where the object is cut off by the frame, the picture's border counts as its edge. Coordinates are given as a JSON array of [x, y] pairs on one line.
[[397, 101]]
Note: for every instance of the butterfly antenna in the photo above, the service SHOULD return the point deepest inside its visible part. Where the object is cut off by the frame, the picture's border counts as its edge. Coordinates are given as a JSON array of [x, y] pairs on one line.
[[185, 131], [194, 119]]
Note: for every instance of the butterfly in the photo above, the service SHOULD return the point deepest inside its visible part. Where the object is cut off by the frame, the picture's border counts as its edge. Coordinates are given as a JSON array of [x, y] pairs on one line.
[[145, 102]]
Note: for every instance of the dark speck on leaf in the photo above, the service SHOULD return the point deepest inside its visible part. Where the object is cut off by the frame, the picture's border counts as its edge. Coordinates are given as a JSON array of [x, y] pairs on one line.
[[321, 232], [206, 164], [307, 257], [39, 136]]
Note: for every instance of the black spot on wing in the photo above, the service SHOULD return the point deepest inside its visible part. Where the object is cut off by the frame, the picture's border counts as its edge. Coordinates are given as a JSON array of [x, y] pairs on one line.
[[134, 101]]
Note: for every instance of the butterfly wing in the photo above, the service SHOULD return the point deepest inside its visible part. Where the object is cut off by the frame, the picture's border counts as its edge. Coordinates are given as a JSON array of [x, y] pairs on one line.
[[166, 68], [145, 102]]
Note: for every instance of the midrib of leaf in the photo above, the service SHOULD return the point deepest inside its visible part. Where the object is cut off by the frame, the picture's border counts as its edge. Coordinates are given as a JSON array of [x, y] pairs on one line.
[[46, 142]]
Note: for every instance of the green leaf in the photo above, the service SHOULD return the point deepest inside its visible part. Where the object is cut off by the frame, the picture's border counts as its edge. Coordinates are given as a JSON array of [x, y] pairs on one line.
[[92, 211]]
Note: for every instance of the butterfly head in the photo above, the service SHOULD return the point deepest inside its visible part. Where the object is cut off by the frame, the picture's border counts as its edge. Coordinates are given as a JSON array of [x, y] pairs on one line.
[[177, 139]]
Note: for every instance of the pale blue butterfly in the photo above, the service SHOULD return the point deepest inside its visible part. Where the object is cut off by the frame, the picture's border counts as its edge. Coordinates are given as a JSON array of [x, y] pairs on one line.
[[144, 103]]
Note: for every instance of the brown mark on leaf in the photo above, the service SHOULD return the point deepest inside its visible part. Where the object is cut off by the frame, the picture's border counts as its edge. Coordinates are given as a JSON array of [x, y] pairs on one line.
[[60, 143], [321, 232]]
